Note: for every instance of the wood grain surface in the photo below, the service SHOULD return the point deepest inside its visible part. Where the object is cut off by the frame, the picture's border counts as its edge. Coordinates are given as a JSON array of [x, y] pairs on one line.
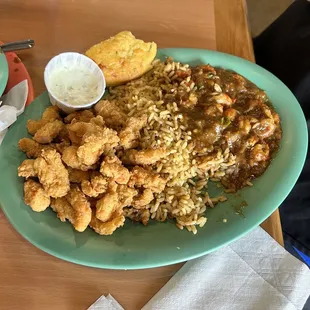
[[232, 33], [65, 25], [31, 279]]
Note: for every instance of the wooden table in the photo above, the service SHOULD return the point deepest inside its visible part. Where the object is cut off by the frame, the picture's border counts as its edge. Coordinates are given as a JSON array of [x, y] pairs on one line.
[[31, 279]]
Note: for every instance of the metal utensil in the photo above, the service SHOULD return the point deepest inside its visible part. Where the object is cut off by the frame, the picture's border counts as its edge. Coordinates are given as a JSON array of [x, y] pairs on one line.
[[16, 46]]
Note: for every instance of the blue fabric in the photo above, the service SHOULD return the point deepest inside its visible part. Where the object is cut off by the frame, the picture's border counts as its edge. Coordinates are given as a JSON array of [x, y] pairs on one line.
[[305, 258]]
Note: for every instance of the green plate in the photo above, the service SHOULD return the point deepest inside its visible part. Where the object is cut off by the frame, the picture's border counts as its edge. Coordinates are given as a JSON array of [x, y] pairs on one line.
[[135, 246], [4, 73]]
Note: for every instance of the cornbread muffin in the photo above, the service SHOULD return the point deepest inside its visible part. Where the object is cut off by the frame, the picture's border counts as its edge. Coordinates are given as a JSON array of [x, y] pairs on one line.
[[123, 57]]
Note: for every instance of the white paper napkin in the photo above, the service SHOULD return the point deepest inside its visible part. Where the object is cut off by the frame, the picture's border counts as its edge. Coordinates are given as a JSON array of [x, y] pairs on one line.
[[253, 273], [106, 303], [12, 105]]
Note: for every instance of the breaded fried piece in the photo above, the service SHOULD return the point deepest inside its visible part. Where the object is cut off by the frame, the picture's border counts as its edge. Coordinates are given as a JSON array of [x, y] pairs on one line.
[[52, 173], [147, 179], [112, 114], [49, 115], [32, 148], [145, 216], [77, 176], [107, 228], [112, 186], [131, 132], [81, 206], [97, 185], [62, 140], [123, 57], [143, 199], [147, 156], [76, 130], [94, 144], [70, 158], [63, 136], [63, 209], [107, 205], [74, 207], [48, 132], [98, 120], [80, 116], [60, 147], [126, 195], [26, 169], [35, 196], [137, 215], [112, 167], [113, 202]]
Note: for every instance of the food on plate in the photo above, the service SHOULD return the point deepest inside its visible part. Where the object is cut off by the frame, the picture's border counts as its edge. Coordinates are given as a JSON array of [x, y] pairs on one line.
[[123, 57], [47, 133], [71, 159], [149, 149], [112, 115], [73, 207], [35, 196], [130, 132], [50, 114], [52, 173], [148, 156], [31, 148], [78, 176], [143, 178], [112, 167], [143, 199], [107, 205], [77, 129], [96, 185], [26, 169], [79, 116], [95, 143], [107, 228]]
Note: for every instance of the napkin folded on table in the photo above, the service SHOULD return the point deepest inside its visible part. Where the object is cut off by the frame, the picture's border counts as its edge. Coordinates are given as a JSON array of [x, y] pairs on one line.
[[11, 106], [252, 273], [106, 303]]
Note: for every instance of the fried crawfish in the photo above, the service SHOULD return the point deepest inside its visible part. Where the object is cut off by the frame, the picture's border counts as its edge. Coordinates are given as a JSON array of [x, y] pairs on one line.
[[35, 196], [97, 185], [52, 173], [131, 132], [74, 207], [49, 115], [147, 156], [111, 113], [141, 177], [112, 167], [71, 159], [26, 169], [47, 133]]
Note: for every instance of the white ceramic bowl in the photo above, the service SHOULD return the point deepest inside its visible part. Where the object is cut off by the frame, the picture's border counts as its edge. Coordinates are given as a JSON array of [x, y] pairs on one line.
[[76, 61]]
